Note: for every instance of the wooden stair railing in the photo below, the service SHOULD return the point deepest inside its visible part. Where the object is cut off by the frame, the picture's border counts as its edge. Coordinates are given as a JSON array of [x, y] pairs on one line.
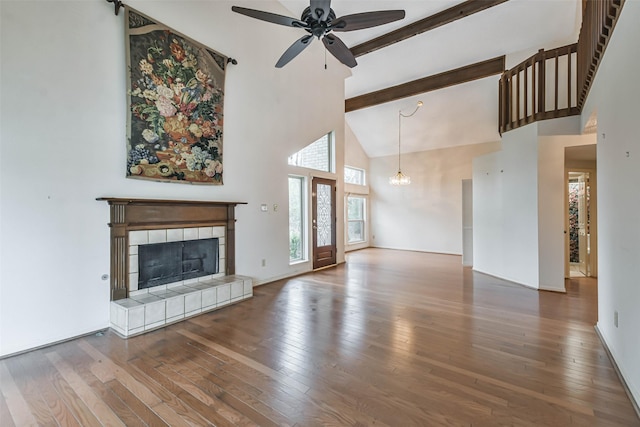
[[539, 88], [555, 83], [599, 17]]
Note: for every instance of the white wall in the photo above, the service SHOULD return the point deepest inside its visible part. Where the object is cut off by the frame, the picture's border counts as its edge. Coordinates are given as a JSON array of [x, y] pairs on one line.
[[505, 209], [62, 144], [487, 232], [519, 208], [467, 222], [615, 97], [426, 215], [551, 207], [354, 154]]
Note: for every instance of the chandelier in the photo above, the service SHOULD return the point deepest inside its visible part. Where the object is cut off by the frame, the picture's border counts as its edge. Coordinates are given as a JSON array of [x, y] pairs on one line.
[[399, 178]]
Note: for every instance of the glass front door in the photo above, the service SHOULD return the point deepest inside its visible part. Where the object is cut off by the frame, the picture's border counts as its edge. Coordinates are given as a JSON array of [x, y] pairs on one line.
[[323, 222]]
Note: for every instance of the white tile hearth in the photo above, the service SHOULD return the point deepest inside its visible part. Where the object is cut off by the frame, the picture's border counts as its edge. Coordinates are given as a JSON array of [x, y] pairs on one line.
[[192, 303], [156, 307]]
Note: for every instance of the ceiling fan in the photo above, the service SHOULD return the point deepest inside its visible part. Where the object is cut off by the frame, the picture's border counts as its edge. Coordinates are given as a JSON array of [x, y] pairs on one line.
[[319, 20]]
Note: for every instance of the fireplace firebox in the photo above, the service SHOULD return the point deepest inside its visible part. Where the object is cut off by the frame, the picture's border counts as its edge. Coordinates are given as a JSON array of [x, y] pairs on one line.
[[162, 263]]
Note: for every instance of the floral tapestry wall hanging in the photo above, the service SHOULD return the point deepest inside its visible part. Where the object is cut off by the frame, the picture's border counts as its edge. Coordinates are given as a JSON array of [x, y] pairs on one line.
[[176, 94]]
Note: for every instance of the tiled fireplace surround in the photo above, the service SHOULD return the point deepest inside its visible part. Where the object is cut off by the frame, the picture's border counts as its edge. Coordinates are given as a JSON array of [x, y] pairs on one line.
[[151, 308]]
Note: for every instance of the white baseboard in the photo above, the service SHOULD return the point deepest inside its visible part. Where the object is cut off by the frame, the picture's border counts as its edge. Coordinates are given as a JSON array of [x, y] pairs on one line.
[[627, 390]]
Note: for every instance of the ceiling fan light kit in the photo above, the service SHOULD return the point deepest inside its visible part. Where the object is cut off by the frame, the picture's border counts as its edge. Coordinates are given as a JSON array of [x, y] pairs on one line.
[[319, 20]]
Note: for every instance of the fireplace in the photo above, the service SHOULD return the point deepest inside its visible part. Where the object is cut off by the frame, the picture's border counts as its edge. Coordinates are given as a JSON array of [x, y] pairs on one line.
[[136, 222], [171, 260]]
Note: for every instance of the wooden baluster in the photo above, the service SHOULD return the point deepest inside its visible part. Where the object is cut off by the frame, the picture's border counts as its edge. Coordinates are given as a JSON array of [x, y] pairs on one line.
[[510, 95], [526, 90], [501, 103], [518, 97], [556, 83], [542, 60], [534, 98], [569, 79]]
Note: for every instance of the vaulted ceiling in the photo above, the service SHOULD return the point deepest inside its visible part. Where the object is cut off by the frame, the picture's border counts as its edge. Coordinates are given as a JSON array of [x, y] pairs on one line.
[[461, 114]]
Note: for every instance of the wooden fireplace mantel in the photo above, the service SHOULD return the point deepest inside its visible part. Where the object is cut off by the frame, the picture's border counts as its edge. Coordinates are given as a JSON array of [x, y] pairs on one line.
[[147, 214]]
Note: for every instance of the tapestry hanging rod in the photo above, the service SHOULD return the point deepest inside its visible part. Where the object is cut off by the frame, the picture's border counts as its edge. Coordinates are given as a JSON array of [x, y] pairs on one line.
[[117, 4]]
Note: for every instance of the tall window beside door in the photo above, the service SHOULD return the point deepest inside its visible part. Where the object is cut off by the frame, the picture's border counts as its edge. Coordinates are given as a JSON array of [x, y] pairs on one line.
[[356, 206], [297, 203]]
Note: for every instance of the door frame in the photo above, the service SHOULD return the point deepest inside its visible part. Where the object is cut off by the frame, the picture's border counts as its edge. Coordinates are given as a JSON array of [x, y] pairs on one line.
[[593, 220]]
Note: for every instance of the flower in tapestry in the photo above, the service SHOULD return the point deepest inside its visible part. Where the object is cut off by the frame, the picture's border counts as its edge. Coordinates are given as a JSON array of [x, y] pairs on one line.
[[176, 93]]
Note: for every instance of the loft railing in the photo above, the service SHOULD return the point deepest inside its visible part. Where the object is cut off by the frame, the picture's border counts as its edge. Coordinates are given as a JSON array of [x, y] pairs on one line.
[[539, 88], [598, 19], [555, 83]]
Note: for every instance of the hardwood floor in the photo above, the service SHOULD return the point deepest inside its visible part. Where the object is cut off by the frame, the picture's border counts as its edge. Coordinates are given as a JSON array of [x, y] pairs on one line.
[[389, 338]]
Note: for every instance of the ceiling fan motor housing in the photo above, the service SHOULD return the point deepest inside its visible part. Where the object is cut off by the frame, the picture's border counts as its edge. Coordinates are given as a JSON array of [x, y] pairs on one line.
[[315, 26]]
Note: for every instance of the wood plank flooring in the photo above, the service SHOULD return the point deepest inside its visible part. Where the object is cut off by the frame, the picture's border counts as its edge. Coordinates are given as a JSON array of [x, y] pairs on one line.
[[390, 338]]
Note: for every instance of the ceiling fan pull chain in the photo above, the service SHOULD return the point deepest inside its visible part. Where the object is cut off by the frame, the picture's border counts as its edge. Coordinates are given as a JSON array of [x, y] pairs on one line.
[[325, 57]]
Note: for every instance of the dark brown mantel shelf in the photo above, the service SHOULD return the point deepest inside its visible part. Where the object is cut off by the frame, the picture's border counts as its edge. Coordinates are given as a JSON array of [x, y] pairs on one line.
[[129, 214], [167, 201]]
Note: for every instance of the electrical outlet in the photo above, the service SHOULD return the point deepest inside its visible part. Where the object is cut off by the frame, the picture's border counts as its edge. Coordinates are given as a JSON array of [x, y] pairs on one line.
[[264, 262], [615, 319]]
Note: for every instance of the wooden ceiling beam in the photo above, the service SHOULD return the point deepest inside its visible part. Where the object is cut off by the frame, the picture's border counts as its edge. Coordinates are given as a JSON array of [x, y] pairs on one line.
[[465, 74], [447, 16]]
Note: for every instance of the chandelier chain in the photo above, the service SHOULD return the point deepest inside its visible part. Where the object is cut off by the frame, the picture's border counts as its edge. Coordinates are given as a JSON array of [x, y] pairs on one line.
[[400, 178]]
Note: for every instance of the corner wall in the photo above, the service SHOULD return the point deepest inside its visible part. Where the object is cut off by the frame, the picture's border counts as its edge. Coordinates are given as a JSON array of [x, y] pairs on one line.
[[615, 97], [426, 215], [505, 209]]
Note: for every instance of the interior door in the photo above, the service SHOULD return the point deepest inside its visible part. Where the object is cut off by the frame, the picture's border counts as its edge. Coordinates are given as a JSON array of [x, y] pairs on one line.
[[323, 221], [583, 224]]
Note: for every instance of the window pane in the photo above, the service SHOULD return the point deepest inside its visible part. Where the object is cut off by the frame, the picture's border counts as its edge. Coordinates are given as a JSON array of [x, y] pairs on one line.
[[318, 155], [356, 219], [296, 221], [353, 175], [356, 231], [355, 208]]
